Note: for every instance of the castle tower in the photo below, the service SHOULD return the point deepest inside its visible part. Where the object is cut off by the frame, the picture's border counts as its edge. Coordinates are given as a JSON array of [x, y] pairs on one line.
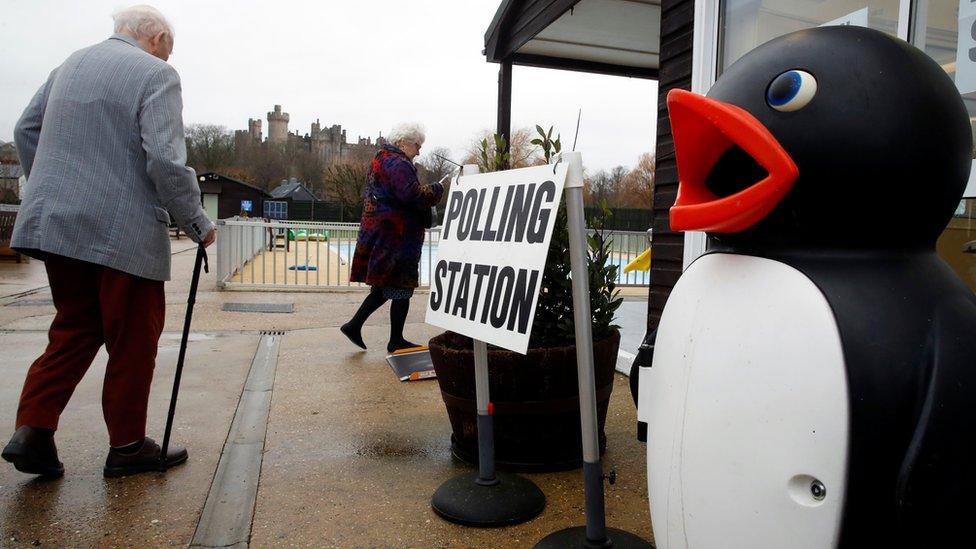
[[316, 127], [254, 129], [277, 126]]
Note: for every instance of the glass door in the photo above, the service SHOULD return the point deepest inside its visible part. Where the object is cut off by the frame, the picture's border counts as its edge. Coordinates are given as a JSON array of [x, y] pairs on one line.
[[946, 30]]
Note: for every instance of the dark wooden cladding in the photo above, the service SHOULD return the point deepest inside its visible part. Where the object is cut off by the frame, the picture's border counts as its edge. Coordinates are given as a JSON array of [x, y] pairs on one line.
[[677, 29]]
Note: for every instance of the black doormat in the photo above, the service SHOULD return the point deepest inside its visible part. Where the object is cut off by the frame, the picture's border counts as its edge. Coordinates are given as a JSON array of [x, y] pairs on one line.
[[260, 307]]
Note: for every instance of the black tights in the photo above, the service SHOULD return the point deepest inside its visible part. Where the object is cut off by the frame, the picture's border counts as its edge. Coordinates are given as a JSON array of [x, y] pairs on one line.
[[398, 317], [374, 300]]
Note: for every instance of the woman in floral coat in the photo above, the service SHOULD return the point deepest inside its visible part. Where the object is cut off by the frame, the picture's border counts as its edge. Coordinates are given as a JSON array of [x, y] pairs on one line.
[[391, 233]]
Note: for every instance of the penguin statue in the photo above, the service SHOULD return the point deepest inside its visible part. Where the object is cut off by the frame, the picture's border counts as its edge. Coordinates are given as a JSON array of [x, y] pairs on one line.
[[814, 373]]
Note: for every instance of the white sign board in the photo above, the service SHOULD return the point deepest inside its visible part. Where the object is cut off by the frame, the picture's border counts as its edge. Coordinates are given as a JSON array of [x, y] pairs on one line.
[[494, 242], [857, 18]]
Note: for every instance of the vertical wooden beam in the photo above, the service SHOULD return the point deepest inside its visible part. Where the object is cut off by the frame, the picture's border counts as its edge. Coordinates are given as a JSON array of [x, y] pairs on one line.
[[504, 125]]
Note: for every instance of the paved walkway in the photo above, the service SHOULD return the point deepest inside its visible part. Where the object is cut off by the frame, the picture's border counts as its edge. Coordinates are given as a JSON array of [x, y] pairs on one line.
[[350, 456]]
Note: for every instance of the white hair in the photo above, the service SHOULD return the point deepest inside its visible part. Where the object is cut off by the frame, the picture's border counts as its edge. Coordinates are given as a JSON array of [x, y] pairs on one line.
[[141, 21], [411, 133]]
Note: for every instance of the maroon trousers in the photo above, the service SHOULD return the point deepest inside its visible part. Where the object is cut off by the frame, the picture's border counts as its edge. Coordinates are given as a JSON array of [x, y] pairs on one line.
[[97, 305]]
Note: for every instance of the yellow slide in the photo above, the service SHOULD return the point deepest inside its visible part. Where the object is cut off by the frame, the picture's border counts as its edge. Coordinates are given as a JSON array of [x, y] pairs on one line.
[[641, 263]]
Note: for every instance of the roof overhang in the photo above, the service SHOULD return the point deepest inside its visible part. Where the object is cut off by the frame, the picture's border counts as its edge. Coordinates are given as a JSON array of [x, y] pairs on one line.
[[215, 179], [618, 37]]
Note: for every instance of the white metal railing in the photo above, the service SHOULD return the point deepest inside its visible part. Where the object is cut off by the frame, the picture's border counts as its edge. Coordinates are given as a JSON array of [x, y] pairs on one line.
[[310, 255], [625, 246], [295, 254]]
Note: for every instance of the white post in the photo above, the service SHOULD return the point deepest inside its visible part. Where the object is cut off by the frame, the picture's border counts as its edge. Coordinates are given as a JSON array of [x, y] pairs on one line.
[[592, 469], [486, 435]]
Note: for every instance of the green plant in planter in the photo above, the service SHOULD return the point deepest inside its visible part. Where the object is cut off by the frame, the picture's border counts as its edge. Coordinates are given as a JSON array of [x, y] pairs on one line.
[[494, 158], [554, 325]]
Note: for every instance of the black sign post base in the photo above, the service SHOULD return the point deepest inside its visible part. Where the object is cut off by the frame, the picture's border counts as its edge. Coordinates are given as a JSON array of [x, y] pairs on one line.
[[596, 520], [576, 537], [487, 498], [511, 500]]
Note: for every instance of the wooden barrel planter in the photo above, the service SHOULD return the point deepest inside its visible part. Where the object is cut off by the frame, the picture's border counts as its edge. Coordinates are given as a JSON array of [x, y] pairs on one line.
[[535, 399]]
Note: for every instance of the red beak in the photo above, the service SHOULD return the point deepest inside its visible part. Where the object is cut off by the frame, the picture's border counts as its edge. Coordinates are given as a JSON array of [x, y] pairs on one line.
[[703, 130]]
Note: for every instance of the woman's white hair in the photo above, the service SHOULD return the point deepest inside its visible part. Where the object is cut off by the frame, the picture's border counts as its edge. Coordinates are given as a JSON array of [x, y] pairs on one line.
[[141, 21], [409, 133]]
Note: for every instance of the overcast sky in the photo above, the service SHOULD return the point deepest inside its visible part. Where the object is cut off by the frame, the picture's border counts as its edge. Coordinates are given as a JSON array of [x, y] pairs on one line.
[[364, 65]]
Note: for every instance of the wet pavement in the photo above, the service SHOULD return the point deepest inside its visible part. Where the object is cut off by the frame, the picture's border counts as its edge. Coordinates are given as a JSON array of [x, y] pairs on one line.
[[351, 455]]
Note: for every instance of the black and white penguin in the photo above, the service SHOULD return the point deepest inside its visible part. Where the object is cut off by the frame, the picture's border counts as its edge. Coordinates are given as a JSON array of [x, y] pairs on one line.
[[814, 373]]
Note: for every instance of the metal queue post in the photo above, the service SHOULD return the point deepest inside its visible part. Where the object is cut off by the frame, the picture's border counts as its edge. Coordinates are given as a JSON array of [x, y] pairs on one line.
[[595, 533], [486, 498]]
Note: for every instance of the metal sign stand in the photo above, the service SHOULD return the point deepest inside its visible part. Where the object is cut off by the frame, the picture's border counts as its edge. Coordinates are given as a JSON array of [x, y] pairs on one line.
[[486, 498], [595, 533]]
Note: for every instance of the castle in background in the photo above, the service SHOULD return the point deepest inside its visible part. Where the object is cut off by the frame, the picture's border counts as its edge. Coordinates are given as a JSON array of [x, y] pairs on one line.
[[329, 143]]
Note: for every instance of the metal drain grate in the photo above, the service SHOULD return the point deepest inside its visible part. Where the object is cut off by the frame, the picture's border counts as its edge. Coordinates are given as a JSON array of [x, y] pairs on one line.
[[260, 307]]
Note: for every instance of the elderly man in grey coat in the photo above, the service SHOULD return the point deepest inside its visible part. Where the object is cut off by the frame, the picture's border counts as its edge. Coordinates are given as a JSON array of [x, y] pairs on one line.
[[102, 145]]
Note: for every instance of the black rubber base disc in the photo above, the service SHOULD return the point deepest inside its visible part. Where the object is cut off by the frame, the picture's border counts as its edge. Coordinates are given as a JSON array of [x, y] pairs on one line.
[[576, 537], [513, 500]]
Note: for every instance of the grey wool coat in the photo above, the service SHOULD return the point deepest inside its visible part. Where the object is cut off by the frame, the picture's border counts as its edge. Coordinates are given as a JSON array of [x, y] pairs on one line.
[[103, 149]]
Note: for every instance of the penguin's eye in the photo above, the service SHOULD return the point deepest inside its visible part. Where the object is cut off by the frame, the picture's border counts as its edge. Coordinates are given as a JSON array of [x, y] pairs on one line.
[[791, 91]]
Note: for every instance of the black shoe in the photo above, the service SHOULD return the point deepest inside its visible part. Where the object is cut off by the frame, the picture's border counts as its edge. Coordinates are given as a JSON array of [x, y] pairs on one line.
[[354, 335], [143, 460], [395, 346], [33, 451]]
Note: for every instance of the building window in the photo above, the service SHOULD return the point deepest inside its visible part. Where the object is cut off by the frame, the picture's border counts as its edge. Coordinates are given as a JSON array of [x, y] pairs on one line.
[[746, 24], [936, 25], [276, 209]]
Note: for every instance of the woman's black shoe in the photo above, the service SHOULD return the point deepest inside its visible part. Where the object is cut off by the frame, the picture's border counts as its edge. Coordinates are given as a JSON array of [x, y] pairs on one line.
[[394, 346], [353, 335]]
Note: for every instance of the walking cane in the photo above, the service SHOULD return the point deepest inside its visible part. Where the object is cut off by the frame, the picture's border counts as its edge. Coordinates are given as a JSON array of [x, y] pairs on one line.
[[201, 260]]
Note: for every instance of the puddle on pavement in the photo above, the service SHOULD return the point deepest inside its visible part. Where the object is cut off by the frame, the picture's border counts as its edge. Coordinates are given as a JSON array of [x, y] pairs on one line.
[[398, 448]]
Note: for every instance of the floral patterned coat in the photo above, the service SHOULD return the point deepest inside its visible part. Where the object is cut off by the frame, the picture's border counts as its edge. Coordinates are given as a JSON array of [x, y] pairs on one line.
[[391, 232]]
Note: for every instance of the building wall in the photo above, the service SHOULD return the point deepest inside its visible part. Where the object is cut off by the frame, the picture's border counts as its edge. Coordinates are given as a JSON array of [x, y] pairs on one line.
[[677, 29], [277, 125], [254, 129], [329, 142], [231, 194]]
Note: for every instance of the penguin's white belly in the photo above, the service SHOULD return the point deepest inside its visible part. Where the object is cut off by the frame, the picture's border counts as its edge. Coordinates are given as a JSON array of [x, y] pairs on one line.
[[747, 408]]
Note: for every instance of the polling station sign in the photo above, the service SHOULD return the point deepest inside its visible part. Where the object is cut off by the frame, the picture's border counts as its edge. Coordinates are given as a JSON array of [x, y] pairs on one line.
[[494, 241]]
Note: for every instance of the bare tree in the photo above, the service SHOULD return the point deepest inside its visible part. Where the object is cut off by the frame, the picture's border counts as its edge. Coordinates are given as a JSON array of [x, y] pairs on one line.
[[345, 183], [309, 168], [209, 147], [637, 187], [267, 165], [435, 165], [521, 150], [603, 187]]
